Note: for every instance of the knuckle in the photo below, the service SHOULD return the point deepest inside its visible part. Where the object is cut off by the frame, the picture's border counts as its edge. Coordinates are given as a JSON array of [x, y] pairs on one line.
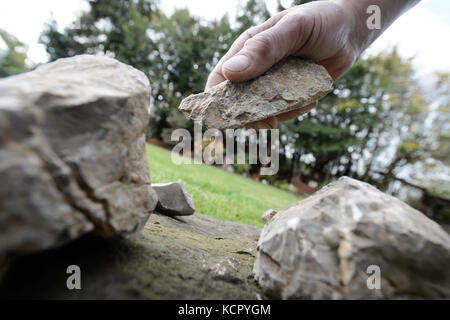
[[293, 17], [261, 45], [251, 32], [297, 19]]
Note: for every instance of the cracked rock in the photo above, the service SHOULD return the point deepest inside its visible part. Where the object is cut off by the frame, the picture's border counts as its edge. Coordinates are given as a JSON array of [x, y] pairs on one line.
[[351, 241], [72, 153], [173, 199], [291, 84]]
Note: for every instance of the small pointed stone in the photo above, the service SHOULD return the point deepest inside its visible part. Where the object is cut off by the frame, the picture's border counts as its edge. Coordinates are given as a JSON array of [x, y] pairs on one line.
[[173, 199]]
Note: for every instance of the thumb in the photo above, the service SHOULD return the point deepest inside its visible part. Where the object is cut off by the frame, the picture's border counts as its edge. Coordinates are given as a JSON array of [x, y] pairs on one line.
[[257, 55]]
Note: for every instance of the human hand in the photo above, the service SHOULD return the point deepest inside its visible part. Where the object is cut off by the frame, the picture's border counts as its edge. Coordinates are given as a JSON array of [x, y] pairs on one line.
[[324, 31]]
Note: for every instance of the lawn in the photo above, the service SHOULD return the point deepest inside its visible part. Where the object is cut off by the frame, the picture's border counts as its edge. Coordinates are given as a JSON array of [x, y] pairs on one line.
[[218, 193]]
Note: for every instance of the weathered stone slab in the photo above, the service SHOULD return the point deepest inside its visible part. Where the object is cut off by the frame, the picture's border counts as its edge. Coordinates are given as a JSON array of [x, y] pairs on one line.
[[193, 257], [72, 153], [348, 238], [173, 199], [291, 84]]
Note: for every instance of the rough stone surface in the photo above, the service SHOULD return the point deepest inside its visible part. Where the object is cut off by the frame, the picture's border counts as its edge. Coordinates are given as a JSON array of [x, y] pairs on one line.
[[291, 84], [321, 248], [268, 215], [173, 199], [72, 153], [194, 257]]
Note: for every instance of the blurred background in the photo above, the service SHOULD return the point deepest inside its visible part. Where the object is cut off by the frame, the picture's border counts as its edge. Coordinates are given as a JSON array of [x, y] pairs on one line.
[[387, 122]]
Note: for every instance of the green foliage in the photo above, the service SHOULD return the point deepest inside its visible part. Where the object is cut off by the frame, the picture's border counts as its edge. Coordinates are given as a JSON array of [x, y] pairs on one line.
[[12, 60], [375, 106], [441, 123], [446, 215], [254, 12], [189, 47], [280, 6], [176, 52], [369, 128], [113, 27]]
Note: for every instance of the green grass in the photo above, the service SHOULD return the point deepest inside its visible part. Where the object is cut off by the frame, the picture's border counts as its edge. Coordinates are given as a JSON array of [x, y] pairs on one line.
[[218, 193]]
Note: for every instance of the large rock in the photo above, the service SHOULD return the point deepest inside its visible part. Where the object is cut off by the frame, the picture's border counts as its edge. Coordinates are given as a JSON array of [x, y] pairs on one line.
[[194, 257], [291, 84], [330, 246], [173, 199], [72, 153]]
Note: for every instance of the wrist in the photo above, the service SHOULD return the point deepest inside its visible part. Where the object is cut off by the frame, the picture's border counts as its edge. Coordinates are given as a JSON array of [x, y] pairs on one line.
[[361, 36], [358, 33]]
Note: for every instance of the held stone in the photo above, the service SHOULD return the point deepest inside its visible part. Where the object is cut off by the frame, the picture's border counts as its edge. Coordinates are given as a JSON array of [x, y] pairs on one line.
[[291, 84]]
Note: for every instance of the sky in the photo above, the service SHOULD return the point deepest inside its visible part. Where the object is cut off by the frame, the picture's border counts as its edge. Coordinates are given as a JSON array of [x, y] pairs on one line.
[[423, 32]]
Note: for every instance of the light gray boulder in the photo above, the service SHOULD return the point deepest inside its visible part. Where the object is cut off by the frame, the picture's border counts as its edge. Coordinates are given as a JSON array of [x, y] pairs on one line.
[[351, 241], [72, 153], [173, 199], [291, 84]]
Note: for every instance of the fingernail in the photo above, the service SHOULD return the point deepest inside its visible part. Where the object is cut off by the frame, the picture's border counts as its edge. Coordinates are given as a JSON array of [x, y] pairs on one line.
[[237, 63]]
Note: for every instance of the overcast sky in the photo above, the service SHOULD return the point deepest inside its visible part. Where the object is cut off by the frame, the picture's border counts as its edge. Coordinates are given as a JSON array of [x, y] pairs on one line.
[[423, 32]]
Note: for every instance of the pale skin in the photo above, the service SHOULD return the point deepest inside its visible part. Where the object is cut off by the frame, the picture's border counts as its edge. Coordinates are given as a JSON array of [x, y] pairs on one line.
[[332, 33]]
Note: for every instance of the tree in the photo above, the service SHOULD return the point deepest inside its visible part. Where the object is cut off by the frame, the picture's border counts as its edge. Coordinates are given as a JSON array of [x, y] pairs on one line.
[[431, 175], [118, 28], [176, 52], [12, 59], [189, 48], [280, 6], [368, 128], [441, 121], [254, 12]]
